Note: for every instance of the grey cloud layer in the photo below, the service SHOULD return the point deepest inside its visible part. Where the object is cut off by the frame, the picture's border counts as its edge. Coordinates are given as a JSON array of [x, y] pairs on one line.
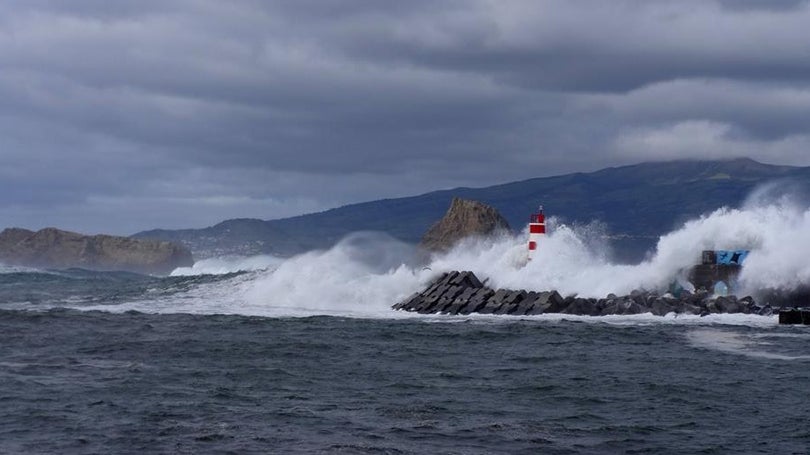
[[127, 115]]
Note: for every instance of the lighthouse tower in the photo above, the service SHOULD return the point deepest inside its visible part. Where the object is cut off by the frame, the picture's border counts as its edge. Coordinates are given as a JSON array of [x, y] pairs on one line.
[[537, 229]]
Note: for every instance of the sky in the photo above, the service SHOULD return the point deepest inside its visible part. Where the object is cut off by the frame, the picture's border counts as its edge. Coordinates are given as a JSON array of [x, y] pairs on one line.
[[120, 116]]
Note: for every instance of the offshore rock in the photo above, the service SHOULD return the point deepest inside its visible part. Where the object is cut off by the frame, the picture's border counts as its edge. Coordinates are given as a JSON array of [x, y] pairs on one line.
[[55, 248], [463, 293], [463, 219]]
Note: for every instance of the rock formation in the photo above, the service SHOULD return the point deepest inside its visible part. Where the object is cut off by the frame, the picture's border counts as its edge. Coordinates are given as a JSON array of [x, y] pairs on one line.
[[54, 248], [464, 293], [463, 219]]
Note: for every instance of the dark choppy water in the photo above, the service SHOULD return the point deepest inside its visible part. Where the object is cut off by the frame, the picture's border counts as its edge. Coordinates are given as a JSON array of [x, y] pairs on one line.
[[76, 381]]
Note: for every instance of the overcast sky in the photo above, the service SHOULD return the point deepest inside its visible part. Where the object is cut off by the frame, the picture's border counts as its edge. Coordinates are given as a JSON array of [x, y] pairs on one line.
[[118, 116]]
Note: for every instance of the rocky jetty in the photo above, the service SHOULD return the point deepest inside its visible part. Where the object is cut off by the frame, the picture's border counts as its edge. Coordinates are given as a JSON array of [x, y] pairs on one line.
[[464, 218], [463, 293], [794, 316], [54, 248]]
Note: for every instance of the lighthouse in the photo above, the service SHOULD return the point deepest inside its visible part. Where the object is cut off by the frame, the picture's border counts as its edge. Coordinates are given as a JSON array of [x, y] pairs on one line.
[[537, 229]]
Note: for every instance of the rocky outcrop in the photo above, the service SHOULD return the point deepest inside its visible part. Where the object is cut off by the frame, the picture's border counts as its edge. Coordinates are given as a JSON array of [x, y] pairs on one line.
[[463, 219], [464, 293], [54, 248]]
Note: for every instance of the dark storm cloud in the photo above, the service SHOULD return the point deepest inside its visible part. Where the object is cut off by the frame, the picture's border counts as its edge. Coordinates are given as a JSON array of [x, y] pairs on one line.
[[771, 5], [588, 45], [127, 115]]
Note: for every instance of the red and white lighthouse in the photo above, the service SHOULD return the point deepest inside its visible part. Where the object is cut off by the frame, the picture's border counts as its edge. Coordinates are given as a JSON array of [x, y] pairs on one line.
[[537, 229]]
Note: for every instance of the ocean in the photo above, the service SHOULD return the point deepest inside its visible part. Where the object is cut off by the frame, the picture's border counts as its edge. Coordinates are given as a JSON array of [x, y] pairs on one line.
[[305, 354], [82, 372]]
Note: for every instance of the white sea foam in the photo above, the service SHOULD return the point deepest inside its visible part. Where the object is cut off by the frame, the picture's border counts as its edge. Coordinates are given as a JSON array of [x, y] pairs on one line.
[[750, 345], [366, 273], [17, 269], [229, 264]]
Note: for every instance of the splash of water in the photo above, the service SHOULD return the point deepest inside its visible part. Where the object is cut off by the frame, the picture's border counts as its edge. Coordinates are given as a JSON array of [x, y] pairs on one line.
[[365, 274]]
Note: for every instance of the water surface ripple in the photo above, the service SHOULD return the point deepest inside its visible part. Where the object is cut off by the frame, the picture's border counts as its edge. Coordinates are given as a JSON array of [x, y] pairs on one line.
[[95, 382]]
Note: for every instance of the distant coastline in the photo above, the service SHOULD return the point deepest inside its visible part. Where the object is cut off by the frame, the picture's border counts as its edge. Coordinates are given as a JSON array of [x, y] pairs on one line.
[[58, 249]]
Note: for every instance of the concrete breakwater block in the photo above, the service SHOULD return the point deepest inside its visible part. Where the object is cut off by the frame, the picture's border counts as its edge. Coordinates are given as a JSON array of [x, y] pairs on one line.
[[463, 293], [794, 316]]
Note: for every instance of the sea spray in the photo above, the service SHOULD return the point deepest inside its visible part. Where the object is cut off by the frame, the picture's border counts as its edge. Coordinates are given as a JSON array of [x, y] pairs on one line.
[[365, 273], [229, 264], [569, 261], [778, 236]]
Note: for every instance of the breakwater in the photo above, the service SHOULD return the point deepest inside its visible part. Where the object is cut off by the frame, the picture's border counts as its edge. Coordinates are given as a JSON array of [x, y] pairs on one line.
[[463, 293]]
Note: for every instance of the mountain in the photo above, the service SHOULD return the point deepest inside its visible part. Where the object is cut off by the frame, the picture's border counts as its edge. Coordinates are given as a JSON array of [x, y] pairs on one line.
[[57, 249], [637, 203]]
